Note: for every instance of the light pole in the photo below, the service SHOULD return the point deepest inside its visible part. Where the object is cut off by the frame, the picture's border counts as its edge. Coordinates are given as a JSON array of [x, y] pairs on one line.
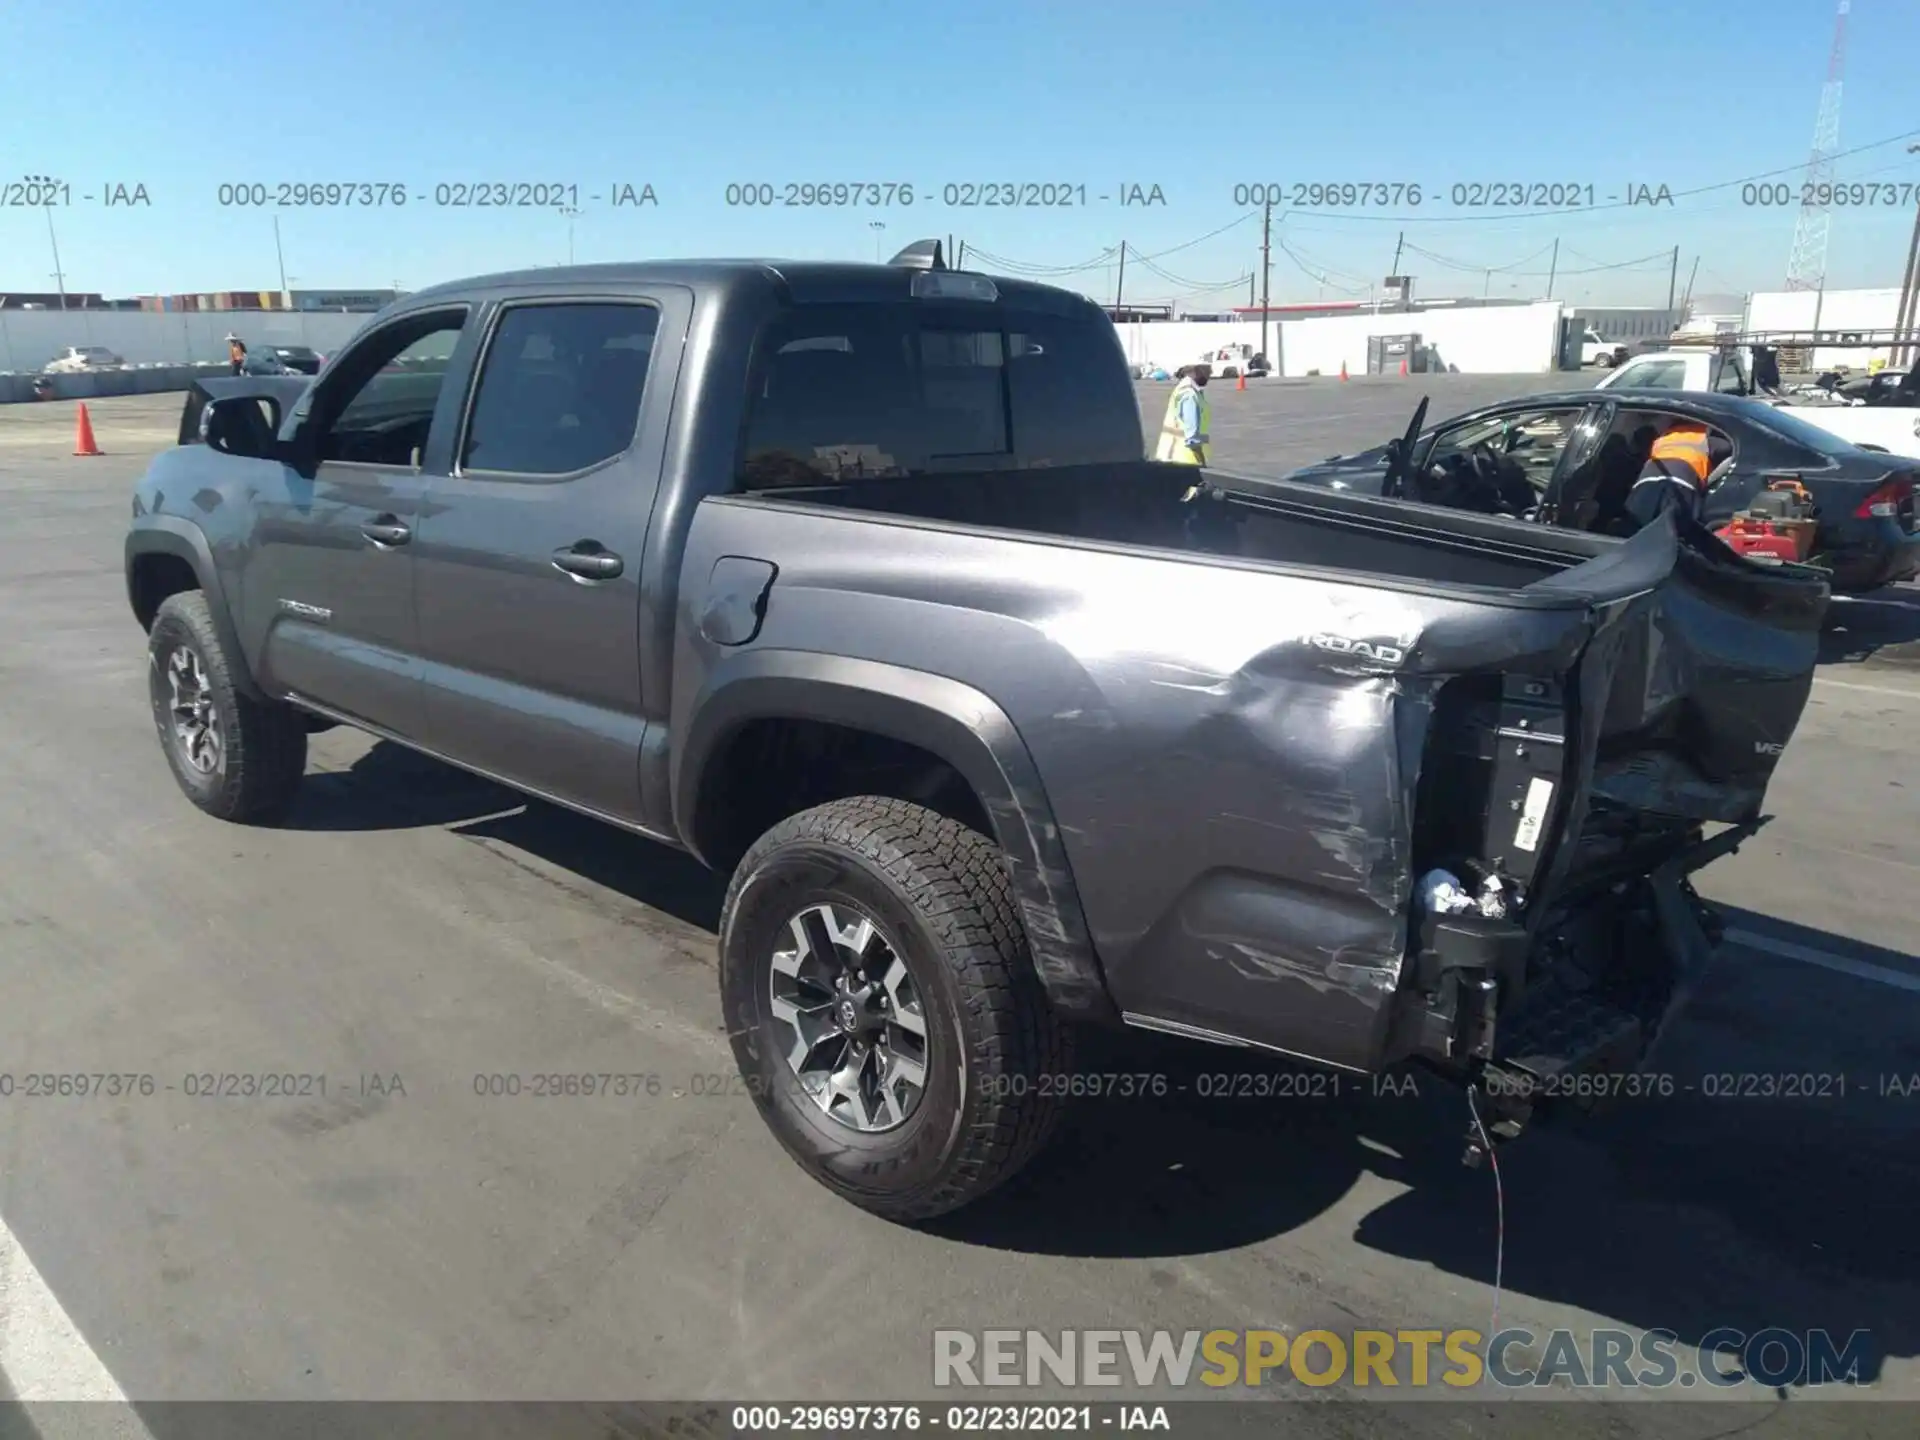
[[877, 226], [572, 212]]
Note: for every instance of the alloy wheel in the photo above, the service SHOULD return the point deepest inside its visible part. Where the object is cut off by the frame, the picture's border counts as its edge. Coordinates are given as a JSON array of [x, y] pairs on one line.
[[196, 724], [852, 1017]]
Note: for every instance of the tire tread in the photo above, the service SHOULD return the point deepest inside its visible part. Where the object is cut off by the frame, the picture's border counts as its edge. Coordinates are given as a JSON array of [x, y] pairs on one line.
[[266, 744], [957, 880]]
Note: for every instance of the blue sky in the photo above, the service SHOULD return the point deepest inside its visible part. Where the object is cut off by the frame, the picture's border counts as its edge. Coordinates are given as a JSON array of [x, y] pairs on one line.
[[1195, 99]]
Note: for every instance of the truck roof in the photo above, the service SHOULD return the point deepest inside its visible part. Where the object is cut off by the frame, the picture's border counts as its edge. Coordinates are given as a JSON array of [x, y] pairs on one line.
[[797, 281]]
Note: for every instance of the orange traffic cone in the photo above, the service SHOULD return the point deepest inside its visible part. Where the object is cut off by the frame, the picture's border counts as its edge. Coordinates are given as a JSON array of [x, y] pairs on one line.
[[1241, 383], [83, 434], [1403, 367], [1343, 373]]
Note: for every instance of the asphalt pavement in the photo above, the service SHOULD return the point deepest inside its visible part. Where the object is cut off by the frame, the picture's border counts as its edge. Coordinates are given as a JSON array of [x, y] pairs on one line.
[[412, 932]]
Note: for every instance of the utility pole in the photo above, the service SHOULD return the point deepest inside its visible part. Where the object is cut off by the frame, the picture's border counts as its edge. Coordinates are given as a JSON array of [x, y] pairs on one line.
[[59, 275], [1673, 276], [1120, 284], [1904, 350], [1266, 273], [1396, 266], [961, 263], [286, 297], [1686, 297], [572, 212], [1553, 266]]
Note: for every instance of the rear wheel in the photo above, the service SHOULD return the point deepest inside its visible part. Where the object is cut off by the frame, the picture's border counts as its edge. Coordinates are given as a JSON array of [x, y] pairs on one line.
[[236, 758], [883, 1007]]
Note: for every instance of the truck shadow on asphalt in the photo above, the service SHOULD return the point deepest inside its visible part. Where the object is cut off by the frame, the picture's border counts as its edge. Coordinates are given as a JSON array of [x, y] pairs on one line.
[[1883, 626], [1672, 1214], [393, 788]]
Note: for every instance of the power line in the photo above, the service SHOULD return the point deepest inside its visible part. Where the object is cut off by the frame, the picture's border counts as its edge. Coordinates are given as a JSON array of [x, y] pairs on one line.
[[1027, 268], [1182, 280], [1189, 244], [1304, 269], [1505, 215]]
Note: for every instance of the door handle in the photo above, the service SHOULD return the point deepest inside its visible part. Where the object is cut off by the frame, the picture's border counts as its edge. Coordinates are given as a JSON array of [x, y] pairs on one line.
[[386, 530], [587, 560]]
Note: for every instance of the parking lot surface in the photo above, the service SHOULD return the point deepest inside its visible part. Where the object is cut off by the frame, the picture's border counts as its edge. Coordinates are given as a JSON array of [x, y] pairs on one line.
[[412, 933]]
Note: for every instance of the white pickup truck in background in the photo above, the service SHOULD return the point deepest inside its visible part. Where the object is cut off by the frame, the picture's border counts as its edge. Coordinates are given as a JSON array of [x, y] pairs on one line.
[[1595, 350], [1723, 371], [1869, 412]]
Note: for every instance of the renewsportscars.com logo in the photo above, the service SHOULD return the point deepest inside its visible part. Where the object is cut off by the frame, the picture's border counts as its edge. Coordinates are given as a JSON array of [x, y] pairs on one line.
[[1416, 1359]]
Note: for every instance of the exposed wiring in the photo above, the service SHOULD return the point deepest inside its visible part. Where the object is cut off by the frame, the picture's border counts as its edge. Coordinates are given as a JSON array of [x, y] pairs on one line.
[[1499, 1212]]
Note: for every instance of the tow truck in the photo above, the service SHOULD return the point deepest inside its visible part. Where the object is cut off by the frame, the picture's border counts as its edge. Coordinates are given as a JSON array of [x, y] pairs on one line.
[[1879, 415]]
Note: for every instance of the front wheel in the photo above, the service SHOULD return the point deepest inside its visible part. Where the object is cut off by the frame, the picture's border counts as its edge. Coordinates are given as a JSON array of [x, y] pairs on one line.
[[234, 757], [883, 1008]]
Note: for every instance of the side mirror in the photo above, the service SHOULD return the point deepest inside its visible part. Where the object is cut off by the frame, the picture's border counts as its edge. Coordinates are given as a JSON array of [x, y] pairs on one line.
[[244, 425]]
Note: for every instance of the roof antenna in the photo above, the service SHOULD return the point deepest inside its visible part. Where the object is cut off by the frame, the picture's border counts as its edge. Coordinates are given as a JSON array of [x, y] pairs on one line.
[[921, 255]]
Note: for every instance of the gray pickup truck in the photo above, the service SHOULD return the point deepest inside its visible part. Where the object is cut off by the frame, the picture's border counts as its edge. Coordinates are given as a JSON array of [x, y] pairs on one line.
[[852, 581]]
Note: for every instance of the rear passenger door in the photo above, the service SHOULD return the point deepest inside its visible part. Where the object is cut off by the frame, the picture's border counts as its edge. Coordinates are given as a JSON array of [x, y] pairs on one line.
[[527, 578]]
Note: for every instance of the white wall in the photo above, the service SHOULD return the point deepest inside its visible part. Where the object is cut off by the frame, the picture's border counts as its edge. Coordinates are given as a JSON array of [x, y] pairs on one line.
[[1476, 340], [30, 338], [1491, 340], [1837, 309], [1174, 343]]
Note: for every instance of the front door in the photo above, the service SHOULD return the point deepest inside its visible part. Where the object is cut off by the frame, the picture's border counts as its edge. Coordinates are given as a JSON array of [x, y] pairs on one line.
[[329, 585], [530, 551]]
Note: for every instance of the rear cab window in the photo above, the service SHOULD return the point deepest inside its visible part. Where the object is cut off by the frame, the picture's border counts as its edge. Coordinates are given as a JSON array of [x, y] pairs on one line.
[[845, 392]]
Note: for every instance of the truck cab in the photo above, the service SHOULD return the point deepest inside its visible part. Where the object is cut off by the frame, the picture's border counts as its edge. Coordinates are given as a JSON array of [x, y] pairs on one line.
[[1717, 371]]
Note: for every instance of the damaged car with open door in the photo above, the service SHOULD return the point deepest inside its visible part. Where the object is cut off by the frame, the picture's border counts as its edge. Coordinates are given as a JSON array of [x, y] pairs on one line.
[[851, 580], [1570, 460]]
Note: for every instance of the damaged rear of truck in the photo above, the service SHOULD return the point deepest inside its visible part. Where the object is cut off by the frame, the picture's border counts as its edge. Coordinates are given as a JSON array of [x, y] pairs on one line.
[[1555, 770], [1357, 781]]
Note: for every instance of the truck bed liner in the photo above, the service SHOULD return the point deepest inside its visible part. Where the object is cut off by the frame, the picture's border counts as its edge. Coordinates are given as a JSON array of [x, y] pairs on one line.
[[1279, 524]]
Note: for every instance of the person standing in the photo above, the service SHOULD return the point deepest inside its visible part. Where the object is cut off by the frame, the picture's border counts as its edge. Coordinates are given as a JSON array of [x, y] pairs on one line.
[[1184, 434], [236, 352]]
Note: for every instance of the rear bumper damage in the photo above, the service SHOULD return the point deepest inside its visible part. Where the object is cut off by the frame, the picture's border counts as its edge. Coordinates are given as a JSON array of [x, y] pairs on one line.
[[1564, 1016]]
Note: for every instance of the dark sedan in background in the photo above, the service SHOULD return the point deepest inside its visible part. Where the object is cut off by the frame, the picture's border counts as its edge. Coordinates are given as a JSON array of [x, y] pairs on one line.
[[267, 359], [1570, 458]]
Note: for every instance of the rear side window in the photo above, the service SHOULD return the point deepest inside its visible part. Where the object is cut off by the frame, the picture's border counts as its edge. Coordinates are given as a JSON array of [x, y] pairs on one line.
[[559, 388], [846, 392]]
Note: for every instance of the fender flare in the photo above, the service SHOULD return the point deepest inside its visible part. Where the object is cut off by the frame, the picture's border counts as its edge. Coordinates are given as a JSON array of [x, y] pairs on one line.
[[171, 535], [950, 720]]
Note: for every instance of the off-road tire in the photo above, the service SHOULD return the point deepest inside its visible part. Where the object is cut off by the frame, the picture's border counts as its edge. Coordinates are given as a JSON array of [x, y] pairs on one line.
[[264, 744], [998, 1055]]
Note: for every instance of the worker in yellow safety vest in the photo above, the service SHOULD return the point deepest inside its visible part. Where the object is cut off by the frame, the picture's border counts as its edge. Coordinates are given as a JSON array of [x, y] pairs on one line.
[[1184, 436]]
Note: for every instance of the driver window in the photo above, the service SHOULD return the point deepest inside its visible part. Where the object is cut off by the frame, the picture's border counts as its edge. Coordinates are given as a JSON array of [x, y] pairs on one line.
[[1530, 441], [386, 415]]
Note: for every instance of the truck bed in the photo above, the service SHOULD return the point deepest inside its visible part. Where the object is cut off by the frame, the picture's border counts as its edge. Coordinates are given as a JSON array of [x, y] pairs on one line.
[[1283, 525]]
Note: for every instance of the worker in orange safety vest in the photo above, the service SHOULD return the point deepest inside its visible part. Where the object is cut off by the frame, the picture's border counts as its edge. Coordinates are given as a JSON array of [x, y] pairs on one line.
[[1676, 472]]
